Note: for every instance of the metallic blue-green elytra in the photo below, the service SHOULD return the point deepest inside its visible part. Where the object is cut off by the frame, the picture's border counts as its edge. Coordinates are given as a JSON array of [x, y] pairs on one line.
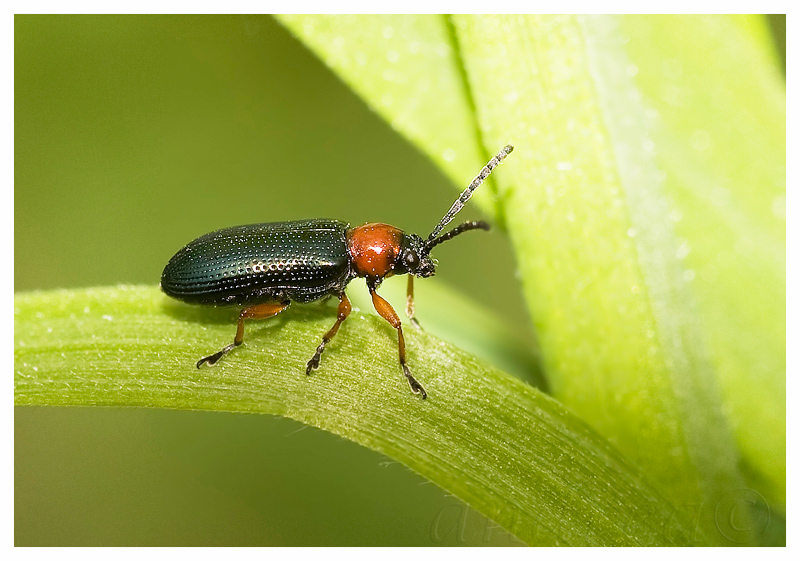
[[301, 261]]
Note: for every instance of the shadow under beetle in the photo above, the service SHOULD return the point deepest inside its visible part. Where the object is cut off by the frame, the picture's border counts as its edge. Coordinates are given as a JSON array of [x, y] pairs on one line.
[[265, 267]]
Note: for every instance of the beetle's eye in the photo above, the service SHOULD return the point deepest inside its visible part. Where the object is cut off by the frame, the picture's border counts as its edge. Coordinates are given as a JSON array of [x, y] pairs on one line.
[[411, 259]]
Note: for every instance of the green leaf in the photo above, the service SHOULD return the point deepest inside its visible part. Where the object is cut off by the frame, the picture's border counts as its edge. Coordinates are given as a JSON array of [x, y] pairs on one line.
[[718, 123], [503, 447], [645, 202]]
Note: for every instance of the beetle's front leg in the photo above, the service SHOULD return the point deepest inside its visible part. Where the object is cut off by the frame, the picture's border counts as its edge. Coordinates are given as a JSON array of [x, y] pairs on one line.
[[341, 315], [261, 311], [387, 312]]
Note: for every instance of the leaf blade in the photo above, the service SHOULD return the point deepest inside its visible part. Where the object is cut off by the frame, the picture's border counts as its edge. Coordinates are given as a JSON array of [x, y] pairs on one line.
[[504, 448], [721, 146], [620, 339]]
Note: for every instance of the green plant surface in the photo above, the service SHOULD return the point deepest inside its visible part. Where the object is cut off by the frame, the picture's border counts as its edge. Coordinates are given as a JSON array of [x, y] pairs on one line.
[[644, 182], [508, 450], [722, 151]]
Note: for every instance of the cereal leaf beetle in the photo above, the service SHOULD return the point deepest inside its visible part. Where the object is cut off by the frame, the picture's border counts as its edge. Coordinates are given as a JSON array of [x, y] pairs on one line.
[[265, 267]]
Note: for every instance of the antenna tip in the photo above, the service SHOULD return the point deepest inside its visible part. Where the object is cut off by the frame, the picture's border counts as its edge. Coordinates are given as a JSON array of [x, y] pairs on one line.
[[508, 149]]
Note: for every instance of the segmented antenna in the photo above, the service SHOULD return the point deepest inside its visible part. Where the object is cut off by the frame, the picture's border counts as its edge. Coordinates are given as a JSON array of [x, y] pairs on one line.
[[460, 229], [467, 193]]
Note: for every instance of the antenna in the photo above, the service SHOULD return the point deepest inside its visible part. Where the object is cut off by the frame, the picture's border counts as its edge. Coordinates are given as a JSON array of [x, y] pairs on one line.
[[460, 229], [467, 193]]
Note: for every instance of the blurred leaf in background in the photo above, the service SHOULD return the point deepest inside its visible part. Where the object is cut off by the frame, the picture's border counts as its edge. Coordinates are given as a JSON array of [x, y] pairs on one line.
[[645, 204]]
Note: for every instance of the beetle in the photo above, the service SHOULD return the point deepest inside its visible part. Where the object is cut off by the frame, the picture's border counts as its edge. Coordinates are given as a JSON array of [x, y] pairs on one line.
[[263, 268]]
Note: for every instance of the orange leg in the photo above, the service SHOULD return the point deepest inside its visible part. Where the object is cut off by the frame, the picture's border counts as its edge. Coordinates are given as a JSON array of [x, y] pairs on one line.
[[410, 302], [261, 311], [387, 312], [343, 312]]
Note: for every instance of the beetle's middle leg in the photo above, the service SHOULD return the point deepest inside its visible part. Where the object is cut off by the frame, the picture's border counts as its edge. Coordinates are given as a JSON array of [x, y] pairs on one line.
[[261, 311], [341, 315]]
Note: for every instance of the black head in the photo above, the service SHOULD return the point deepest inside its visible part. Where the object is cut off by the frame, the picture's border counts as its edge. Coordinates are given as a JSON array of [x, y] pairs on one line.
[[415, 252], [414, 258]]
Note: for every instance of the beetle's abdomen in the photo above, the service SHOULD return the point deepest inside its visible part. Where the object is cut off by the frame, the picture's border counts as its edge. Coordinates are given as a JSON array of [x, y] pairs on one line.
[[298, 260]]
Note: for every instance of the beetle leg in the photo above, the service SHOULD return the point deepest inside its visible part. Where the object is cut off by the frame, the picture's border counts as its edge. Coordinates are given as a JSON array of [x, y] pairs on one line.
[[261, 311], [342, 313], [410, 302], [387, 312]]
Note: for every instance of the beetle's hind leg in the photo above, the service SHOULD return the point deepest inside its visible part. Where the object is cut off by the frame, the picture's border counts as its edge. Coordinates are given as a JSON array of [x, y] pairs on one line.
[[261, 311], [341, 315]]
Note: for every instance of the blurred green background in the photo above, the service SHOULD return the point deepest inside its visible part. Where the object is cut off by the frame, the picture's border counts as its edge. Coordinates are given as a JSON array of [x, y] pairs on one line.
[[135, 134]]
